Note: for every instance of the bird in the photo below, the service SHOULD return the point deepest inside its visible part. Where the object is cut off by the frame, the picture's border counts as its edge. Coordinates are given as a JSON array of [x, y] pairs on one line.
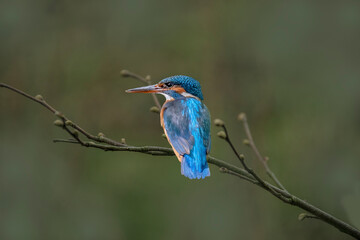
[[186, 122]]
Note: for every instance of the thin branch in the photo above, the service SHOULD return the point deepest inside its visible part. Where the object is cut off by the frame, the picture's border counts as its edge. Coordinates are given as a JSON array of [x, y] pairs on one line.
[[147, 80], [242, 117], [225, 170], [37, 98], [249, 170], [247, 174], [58, 140], [279, 193], [66, 122]]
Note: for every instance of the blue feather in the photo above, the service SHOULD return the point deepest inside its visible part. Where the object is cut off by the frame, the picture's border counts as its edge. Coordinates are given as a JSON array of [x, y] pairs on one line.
[[187, 126]]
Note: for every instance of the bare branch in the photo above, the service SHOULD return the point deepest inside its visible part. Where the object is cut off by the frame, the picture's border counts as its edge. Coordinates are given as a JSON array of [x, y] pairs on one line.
[[66, 122], [225, 136], [242, 117], [247, 174], [147, 80], [58, 140]]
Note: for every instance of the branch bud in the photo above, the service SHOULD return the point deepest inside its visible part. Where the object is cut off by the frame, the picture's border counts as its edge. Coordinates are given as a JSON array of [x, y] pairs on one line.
[[125, 73], [76, 133], [39, 97], [154, 109], [101, 135], [219, 122], [58, 123], [164, 135], [148, 78], [242, 157], [242, 117], [222, 135], [223, 170], [246, 142], [302, 216], [123, 141], [68, 123], [59, 114]]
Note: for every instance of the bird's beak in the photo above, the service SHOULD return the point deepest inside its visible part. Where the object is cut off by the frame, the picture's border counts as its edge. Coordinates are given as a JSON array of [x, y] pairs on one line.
[[146, 89]]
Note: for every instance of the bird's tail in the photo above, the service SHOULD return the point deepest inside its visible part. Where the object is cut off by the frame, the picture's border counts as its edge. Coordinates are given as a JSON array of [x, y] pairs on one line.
[[194, 168]]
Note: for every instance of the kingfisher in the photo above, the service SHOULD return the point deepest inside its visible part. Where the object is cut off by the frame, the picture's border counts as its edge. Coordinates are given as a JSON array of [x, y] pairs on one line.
[[186, 122]]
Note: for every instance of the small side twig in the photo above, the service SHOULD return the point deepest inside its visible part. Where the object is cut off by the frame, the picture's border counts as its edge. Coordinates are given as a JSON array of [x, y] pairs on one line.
[[65, 122], [242, 117], [225, 170], [58, 140], [147, 80], [225, 135]]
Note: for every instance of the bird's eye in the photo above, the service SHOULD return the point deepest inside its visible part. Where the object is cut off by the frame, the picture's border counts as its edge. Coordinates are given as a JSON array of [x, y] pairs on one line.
[[168, 84]]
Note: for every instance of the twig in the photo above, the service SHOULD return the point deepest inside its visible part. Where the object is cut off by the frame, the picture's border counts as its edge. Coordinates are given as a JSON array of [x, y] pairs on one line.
[[277, 192], [225, 170], [249, 170], [65, 121], [242, 117], [246, 174], [58, 140], [147, 80]]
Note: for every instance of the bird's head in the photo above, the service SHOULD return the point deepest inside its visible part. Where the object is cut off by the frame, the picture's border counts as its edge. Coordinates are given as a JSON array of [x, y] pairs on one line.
[[173, 87]]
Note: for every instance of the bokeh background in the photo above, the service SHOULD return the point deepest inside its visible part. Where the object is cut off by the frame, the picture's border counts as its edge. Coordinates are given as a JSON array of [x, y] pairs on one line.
[[292, 66]]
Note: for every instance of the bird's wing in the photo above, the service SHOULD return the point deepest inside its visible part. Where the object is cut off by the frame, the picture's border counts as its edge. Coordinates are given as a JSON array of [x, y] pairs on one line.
[[181, 118], [204, 120]]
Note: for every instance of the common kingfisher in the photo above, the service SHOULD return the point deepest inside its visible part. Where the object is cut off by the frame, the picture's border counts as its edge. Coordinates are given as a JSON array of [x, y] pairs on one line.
[[186, 122]]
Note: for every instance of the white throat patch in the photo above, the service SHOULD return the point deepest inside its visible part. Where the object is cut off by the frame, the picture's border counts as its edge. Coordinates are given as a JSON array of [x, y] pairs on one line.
[[167, 97]]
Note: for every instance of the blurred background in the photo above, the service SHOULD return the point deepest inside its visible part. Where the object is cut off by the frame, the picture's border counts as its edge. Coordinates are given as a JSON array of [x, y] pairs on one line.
[[292, 66]]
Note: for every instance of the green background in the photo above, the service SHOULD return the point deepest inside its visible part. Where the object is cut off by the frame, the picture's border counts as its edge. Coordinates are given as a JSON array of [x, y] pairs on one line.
[[292, 66]]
